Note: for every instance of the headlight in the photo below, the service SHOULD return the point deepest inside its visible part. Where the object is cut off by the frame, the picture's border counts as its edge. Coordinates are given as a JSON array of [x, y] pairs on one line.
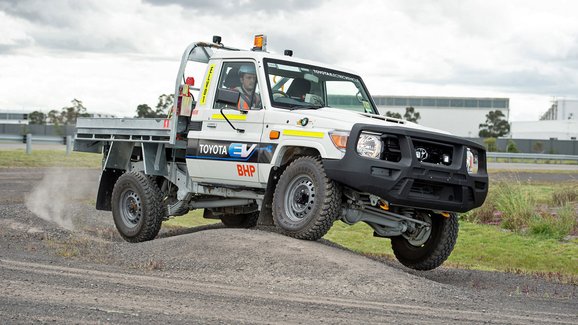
[[472, 161], [369, 145]]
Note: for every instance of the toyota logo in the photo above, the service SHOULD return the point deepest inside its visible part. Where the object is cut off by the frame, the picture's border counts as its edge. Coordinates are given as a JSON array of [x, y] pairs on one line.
[[421, 154]]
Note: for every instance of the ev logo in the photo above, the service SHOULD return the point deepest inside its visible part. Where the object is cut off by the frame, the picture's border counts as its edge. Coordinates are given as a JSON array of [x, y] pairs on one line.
[[241, 150]]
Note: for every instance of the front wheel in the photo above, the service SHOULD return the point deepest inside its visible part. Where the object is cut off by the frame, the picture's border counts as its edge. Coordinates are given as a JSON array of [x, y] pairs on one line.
[[430, 252], [136, 207], [306, 202]]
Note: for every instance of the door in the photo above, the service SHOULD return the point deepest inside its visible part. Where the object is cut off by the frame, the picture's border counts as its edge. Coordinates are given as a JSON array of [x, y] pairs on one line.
[[227, 149]]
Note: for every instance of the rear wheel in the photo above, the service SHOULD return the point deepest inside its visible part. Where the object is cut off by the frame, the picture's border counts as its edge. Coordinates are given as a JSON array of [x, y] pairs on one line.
[[306, 202], [136, 207], [247, 220], [428, 252]]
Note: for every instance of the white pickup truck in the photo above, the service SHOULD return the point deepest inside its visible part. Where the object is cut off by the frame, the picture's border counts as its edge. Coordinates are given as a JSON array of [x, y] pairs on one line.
[[279, 141]]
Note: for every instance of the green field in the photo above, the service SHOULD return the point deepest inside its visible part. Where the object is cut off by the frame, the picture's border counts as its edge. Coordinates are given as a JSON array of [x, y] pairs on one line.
[[480, 246], [49, 158]]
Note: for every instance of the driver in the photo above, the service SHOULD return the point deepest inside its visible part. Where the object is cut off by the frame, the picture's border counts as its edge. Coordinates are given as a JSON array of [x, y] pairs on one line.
[[248, 98]]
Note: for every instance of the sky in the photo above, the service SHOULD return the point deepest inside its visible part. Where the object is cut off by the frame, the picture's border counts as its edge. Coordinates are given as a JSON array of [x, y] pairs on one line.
[[114, 55]]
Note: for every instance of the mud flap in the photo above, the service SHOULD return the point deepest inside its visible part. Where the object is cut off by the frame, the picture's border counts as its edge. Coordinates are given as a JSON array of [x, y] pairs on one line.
[[107, 180], [266, 213]]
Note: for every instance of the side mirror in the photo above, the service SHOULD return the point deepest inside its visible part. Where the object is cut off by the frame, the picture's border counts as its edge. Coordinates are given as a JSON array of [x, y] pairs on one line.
[[227, 96]]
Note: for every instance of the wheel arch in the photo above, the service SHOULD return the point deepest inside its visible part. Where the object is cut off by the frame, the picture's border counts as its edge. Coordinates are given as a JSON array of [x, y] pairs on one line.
[[289, 152]]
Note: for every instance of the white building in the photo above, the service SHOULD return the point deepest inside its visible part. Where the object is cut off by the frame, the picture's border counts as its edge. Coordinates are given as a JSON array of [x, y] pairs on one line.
[[561, 130], [461, 116], [562, 109], [13, 117], [559, 122]]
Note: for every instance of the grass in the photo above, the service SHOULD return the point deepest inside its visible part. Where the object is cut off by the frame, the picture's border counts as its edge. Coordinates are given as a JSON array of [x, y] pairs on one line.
[[49, 158], [488, 247], [516, 206], [191, 219], [79, 245], [547, 210], [564, 194], [555, 226], [481, 247]]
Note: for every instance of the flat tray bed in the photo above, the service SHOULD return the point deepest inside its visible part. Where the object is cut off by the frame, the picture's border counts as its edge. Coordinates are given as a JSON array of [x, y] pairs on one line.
[[154, 130]]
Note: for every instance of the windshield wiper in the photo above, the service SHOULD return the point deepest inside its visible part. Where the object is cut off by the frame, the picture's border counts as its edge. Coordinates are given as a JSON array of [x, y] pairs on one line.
[[294, 107]]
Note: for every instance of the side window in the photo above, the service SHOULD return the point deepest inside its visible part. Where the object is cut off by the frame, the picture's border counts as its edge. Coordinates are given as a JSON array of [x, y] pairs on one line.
[[240, 77]]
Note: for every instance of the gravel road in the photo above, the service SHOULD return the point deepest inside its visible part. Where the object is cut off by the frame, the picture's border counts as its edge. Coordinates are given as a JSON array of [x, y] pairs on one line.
[[62, 261]]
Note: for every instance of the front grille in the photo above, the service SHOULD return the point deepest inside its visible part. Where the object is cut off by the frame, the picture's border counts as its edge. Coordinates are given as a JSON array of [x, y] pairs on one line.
[[433, 152]]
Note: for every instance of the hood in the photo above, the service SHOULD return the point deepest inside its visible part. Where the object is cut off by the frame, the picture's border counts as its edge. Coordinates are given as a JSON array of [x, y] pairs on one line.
[[328, 117]]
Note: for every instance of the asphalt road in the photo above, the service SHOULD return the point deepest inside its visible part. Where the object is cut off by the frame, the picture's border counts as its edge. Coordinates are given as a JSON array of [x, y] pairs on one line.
[[492, 166], [72, 267]]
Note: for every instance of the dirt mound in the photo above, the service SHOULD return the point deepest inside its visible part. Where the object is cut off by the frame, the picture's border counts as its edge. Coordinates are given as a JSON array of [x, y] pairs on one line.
[[269, 260]]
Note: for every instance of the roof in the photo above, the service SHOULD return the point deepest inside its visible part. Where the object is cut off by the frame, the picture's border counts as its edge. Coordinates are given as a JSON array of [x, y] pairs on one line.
[[260, 55]]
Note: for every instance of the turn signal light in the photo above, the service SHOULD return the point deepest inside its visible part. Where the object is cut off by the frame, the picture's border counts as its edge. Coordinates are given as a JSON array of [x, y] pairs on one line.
[[339, 139], [274, 135]]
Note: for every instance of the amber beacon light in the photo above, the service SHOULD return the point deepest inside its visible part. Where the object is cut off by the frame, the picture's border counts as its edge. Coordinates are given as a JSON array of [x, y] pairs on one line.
[[260, 43]]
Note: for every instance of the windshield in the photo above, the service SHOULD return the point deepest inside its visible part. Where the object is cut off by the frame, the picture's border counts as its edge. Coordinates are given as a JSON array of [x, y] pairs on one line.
[[299, 86]]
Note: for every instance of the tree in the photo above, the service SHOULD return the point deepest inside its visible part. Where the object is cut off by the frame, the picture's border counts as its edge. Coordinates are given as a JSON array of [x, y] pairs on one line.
[[411, 115], [165, 105], [538, 147], [72, 113], [512, 146], [67, 115], [495, 126], [55, 117], [144, 110], [392, 114], [37, 118], [491, 144]]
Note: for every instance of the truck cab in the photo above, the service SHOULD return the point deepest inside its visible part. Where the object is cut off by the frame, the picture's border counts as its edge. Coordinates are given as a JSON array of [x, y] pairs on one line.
[[275, 140]]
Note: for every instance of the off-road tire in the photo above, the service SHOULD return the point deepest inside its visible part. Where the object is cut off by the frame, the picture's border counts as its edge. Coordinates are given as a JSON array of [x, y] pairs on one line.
[[136, 207], [434, 251], [247, 220], [323, 200]]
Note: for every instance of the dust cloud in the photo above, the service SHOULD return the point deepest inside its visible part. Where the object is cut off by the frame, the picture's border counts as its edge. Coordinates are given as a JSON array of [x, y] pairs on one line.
[[51, 199]]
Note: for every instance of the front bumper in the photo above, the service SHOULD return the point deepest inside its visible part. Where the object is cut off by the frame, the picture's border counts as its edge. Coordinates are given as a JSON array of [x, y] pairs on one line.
[[408, 181]]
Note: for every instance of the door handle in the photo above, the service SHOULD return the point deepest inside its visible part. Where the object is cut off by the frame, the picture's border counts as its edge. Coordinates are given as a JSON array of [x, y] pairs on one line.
[[212, 125]]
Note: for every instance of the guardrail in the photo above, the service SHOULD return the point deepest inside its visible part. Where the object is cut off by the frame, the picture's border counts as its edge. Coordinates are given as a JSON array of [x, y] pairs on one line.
[[530, 156], [29, 139]]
